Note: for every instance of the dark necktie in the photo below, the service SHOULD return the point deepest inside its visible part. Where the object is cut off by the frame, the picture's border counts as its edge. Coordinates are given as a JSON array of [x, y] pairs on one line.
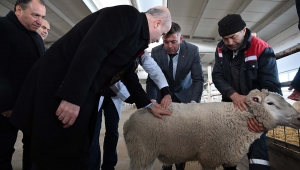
[[171, 64]]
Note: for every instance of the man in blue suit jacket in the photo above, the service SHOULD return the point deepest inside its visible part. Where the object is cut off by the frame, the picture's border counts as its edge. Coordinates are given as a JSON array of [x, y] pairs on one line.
[[181, 65]]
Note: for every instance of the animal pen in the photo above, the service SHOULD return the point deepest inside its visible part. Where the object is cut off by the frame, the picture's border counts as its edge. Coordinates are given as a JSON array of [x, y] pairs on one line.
[[283, 142]]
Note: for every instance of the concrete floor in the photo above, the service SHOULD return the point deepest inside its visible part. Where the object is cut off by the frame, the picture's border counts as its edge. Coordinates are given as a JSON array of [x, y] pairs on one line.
[[123, 159]]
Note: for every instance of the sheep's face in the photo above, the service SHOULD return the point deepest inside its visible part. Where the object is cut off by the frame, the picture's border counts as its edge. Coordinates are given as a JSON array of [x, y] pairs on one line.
[[272, 110]]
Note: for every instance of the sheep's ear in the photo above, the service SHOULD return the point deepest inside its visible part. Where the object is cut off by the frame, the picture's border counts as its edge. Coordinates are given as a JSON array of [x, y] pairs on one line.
[[256, 99]]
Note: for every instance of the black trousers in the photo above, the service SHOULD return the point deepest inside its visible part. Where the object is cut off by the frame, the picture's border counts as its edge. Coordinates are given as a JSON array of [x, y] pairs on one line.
[[8, 137]]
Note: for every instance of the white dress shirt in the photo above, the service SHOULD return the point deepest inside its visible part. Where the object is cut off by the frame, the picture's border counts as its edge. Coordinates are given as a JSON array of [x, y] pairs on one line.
[[154, 72]]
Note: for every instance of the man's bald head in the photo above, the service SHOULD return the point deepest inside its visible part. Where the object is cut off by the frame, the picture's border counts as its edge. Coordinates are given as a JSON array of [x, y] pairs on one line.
[[159, 22], [44, 29]]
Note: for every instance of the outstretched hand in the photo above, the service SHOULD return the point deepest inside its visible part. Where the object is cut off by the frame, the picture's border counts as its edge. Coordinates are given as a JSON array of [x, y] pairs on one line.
[[67, 113], [295, 95], [254, 126], [158, 112], [239, 101], [166, 101]]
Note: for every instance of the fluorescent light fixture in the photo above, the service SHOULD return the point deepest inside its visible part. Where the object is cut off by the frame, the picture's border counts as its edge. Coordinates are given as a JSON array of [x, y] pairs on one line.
[[90, 4], [108, 3], [143, 5], [95, 5]]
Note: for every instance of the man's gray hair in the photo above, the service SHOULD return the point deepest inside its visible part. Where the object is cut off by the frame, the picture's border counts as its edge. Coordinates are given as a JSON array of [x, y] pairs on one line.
[[159, 13]]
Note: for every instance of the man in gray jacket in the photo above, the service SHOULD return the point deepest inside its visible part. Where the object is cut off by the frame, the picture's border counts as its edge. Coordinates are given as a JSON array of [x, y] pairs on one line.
[[181, 65]]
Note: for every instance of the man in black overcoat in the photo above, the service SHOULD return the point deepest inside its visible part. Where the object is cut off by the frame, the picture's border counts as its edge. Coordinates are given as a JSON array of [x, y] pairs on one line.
[[58, 102], [20, 47]]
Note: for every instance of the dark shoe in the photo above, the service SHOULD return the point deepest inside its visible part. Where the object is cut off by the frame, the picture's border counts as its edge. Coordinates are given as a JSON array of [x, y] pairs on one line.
[[180, 166], [166, 167]]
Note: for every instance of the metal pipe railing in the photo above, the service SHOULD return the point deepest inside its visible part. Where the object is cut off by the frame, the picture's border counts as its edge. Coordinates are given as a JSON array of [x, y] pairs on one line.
[[288, 51]]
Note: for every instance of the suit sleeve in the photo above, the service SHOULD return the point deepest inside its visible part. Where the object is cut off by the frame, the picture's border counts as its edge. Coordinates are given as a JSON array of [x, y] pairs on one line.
[[108, 30], [219, 80], [267, 73], [197, 77], [137, 93]]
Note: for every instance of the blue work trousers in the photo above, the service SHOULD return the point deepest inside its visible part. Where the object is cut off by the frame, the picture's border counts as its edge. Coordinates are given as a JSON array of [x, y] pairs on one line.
[[257, 155]]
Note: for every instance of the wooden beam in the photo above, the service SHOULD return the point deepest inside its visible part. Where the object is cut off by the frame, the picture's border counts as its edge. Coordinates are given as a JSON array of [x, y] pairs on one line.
[[239, 10], [204, 4], [7, 4], [283, 7], [59, 13]]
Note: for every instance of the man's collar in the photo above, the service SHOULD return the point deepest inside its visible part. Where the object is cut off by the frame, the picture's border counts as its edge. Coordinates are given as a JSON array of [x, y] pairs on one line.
[[145, 27], [12, 16]]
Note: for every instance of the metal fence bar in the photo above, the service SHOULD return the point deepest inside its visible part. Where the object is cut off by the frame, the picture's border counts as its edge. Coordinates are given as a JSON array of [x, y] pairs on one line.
[[288, 51], [285, 84]]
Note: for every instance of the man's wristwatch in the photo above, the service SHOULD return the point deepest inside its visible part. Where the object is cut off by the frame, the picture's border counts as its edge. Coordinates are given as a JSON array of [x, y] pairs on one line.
[[150, 107]]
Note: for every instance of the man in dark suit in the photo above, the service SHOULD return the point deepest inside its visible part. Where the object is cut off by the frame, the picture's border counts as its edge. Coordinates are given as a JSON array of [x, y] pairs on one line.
[[59, 100], [180, 63], [20, 47]]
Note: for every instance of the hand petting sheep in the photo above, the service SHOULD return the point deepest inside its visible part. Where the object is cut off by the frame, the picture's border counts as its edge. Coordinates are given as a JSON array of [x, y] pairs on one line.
[[211, 133]]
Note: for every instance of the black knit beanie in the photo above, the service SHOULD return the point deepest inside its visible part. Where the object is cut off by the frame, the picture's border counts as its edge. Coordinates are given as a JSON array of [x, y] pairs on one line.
[[231, 24]]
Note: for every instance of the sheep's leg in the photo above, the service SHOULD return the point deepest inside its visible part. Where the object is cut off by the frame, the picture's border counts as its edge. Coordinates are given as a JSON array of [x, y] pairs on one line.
[[140, 164], [134, 166], [150, 166]]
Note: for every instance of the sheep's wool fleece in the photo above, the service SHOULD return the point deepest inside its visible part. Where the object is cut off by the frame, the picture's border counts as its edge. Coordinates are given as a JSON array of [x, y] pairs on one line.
[[205, 132]]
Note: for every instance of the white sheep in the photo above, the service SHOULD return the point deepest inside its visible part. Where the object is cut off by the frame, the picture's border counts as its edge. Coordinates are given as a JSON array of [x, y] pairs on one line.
[[211, 133]]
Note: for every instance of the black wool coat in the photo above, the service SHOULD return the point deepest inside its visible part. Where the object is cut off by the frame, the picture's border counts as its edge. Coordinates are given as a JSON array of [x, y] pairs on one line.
[[19, 50], [77, 68]]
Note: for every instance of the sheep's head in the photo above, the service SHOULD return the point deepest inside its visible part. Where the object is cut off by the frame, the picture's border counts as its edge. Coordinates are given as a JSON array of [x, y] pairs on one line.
[[272, 110]]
